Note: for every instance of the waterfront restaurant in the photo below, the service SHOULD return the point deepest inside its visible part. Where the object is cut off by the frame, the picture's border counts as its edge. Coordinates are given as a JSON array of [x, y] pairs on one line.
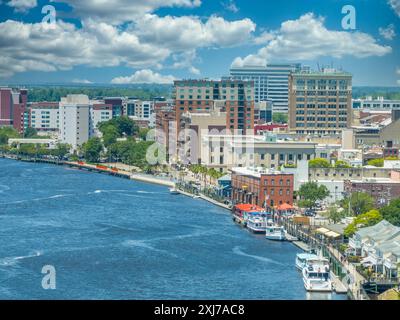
[[266, 188]]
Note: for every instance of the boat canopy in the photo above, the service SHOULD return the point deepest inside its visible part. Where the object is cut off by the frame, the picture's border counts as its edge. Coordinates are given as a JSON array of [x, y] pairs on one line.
[[307, 256], [249, 207]]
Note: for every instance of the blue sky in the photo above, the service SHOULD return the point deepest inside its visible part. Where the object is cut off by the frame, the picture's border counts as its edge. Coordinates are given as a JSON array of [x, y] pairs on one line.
[[133, 41]]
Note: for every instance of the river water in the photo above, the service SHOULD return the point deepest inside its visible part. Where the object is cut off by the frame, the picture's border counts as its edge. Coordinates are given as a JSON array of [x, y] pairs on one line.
[[111, 238]]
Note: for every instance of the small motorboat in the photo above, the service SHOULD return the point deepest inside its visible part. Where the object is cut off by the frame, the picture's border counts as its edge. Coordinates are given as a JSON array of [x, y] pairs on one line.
[[174, 191]]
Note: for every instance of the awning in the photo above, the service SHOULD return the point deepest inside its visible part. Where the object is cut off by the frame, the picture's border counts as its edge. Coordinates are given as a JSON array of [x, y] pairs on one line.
[[285, 206], [368, 261], [322, 230], [332, 234]]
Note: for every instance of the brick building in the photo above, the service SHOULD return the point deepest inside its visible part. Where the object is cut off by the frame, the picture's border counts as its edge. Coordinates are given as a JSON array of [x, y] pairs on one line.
[[199, 96], [265, 188], [381, 189]]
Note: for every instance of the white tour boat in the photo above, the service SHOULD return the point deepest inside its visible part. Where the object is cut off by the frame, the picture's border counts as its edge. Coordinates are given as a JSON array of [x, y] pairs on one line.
[[303, 258], [316, 275], [274, 232], [256, 222]]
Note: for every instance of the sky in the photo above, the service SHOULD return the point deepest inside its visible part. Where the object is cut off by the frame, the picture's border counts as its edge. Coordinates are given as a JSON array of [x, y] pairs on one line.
[[157, 41]]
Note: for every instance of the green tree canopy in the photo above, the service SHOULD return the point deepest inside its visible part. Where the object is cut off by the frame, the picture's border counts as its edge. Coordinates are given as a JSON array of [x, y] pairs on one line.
[[61, 150], [341, 164], [30, 133], [7, 133], [335, 215], [367, 219], [280, 117], [92, 150], [361, 202], [319, 163], [376, 163], [310, 193], [121, 125], [391, 212]]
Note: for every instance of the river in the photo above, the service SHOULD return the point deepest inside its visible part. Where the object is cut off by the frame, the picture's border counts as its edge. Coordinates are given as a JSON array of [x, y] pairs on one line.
[[111, 238]]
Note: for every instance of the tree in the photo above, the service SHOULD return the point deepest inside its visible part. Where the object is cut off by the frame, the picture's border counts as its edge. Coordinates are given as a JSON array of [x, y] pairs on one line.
[[92, 149], [367, 219], [110, 135], [310, 193], [341, 164], [280, 117], [61, 150], [319, 163], [30, 133], [335, 215], [376, 163], [7, 133], [143, 133], [361, 202], [126, 126], [391, 212]]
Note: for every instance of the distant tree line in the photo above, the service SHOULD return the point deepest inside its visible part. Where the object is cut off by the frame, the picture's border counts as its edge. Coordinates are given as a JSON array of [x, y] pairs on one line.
[[46, 93]]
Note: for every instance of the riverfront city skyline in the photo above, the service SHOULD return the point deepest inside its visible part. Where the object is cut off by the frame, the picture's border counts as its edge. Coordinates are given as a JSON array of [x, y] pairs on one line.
[[151, 41]]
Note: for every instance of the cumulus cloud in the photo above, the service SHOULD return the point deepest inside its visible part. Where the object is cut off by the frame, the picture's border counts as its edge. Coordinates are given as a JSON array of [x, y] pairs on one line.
[[388, 33], [187, 32], [307, 38], [33, 47], [119, 11], [145, 43], [22, 5], [144, 76], [185, 60], [263, 38], [395, 5], [230, 6]]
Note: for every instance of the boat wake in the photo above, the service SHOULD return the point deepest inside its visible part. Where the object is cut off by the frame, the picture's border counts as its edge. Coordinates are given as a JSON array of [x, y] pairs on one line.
[[36, 199], [145, 245], [237, 250], [11, 261], [106, 191]]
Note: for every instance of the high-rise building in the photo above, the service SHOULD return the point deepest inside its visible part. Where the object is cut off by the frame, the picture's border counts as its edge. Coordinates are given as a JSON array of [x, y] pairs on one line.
[[270, 82], [320, 102], [199, 96], [13, 110], [6, 106], [75, 120]]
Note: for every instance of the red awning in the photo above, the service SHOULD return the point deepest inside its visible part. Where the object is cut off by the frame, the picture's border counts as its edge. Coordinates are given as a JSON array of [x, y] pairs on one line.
[[248, 207], [285, 206]]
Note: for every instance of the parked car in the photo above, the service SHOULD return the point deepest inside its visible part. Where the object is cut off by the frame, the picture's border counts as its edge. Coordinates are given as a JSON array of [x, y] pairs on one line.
[[310, 213]]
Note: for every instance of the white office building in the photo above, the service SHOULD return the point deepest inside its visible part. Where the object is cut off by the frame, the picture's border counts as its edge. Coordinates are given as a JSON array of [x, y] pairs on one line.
[[270, 82], [44, 116], [379, 104], [75, 120]]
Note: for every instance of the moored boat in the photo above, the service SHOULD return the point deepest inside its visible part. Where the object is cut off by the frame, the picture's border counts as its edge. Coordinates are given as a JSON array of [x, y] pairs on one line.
[[274, 232], [256, 222], [240, 212], [303, 258], [316, 275], [173, 190]]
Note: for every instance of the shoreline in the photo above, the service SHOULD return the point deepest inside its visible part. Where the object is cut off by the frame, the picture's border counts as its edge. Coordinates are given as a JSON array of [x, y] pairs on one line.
[[140, 178]]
